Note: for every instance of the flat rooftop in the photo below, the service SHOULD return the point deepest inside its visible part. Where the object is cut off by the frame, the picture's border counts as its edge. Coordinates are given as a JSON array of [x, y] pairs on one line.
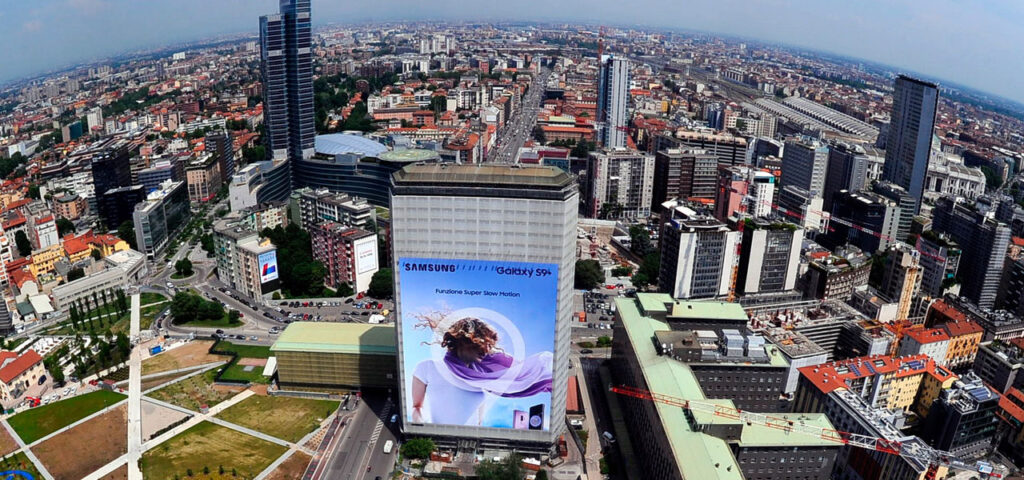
[[522, 176], [327, 337], [697, 455]]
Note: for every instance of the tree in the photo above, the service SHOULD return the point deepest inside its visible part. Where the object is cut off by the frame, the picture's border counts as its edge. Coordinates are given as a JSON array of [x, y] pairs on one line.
[[183, 267], [992, 179], [604, 341], [65, 226], [95, 253], [126, 232], [75, 274], [418, 448], [123, 345], [508, 468], [185, 307], [33, 192], [589, 274], [234, 317], [538, 134], [345, 290], [640, 240], [207, 242], [122, 301], [541, 475], [583, 149], [254, 154], [640, 280], [621, 271], [23, 244], [381, 285]]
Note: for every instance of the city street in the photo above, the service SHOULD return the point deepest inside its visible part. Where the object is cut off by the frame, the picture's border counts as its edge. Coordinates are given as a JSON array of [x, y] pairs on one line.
[[361, 442], [520, 128]]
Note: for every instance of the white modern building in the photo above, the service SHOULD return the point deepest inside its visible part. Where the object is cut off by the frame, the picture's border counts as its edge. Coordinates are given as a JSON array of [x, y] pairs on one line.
[[518, 222], [698, 254]]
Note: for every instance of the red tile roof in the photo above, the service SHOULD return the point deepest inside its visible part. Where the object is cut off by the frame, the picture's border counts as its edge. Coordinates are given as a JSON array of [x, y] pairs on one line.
[[928, 335], [948, 311], [962, 328], [16, 367], [831, 376], [1011, 403]]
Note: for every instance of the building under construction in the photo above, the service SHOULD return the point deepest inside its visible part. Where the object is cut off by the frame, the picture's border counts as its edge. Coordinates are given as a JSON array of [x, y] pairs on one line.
[[820, 321]]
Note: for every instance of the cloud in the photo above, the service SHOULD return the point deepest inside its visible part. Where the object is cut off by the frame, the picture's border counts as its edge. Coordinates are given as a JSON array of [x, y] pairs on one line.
[[88, 6], [32, 26]]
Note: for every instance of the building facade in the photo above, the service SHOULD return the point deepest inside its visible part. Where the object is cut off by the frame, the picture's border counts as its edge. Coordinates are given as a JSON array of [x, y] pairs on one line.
[[489, 213], [909, 140], [620, 184]]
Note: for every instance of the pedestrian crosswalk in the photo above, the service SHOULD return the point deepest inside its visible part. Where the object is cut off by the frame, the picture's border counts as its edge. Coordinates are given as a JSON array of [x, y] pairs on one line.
[[380, 424]]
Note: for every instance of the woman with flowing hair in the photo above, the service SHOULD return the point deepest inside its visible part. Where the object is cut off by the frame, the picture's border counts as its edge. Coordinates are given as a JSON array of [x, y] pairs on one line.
[[455, 388]]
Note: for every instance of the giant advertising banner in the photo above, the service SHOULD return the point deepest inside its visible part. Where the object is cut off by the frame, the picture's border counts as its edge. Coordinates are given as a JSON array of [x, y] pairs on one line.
[[268, 266], [366, 256], [477, 341]]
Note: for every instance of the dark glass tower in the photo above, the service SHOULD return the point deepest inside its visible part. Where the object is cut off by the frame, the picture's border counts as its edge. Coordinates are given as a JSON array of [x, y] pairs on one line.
[[909, 143], [286, 62]]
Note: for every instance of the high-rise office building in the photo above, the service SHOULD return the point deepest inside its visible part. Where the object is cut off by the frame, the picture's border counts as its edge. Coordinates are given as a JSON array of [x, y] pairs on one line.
[[684, 174], [940, 260], [847, 170], [901, 198], [698, 254], [613, 101], [110, 170], [804, 163], [620, 183], [769, 258], [223, 146], [876, 217], [909, 140], [484, 254], [286, 63], [983, 242]]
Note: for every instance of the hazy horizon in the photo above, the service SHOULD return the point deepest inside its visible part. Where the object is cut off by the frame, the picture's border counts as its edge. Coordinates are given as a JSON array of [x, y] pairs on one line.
[[971, 43]]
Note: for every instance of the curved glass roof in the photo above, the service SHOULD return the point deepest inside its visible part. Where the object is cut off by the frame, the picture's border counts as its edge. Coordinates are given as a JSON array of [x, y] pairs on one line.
[[341, 143]]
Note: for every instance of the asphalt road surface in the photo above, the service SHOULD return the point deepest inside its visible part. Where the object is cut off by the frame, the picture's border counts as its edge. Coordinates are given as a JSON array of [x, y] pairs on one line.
[[517, 131], [362, 442]]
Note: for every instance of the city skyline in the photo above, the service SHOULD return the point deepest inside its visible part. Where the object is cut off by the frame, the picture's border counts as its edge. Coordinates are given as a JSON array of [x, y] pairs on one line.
[[922, 47]]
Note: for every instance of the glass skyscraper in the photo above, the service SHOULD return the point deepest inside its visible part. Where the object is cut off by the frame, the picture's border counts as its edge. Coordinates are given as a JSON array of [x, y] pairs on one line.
[[286, 63], [909, 142]]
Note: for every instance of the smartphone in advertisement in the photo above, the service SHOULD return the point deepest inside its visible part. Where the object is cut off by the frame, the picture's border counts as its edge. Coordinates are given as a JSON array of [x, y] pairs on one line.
[[537, 417], [520, 420]]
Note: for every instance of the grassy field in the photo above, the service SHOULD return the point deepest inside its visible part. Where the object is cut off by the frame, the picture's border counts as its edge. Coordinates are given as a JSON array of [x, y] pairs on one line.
[[188, 355], [209, 446], [221, 322], [31, 425], [147, 315], [286, 418], [236, 372], [195, 391], [291, 468], [105, 435], [20, 462], [146, 298]]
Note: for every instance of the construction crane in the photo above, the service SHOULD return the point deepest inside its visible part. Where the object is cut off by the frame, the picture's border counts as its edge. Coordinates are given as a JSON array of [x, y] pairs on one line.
[[917, 451]]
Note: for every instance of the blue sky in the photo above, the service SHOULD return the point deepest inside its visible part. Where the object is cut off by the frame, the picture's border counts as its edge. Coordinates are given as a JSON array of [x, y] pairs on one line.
[[973, 42]]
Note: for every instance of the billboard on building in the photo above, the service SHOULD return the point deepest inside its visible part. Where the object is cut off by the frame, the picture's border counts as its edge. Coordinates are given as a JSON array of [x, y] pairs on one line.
[[268, 266], [366, 256], [477, 342]]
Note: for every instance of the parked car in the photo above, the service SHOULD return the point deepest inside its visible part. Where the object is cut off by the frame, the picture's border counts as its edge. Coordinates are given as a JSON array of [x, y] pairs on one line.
[[42, 379]]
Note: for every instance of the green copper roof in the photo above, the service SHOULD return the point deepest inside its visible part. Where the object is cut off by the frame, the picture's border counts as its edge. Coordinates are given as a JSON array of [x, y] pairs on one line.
[[696, 453], [326, 337]]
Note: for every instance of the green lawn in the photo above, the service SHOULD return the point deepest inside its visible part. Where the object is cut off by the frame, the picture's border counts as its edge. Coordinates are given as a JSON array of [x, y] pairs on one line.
[[19, 461], [286, 418], [147, 298], [36, 423], [176, 276], [221, 322], [207, 445], [236, 372], [249, 351], [147, 315], [193, 392]]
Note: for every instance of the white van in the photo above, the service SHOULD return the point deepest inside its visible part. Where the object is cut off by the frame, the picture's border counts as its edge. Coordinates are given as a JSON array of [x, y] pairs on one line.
[[388, 445], [608, 436]]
